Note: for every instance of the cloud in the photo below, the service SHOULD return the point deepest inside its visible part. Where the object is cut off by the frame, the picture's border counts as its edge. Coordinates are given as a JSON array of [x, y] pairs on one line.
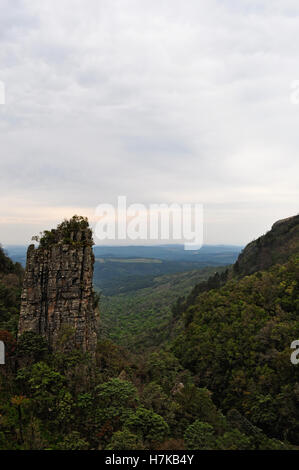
[[162, 101]]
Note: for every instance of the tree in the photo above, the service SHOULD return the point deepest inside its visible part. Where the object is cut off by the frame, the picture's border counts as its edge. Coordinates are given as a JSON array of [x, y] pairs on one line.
[[149, 426], [115, 401], [32, 347], [234, 440], [200, 436], [43, 385], [73, 441], [196, 403], [125, 440]]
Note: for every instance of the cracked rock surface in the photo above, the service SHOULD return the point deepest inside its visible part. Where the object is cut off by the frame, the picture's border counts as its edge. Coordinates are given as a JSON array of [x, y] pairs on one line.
[[58, 292]]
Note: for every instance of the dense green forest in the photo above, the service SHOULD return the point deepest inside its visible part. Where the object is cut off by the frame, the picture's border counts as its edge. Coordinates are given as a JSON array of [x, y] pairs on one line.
[[113, 276], [222, 380], [236, 342], [143, 318], [123, 270], [11, 276]]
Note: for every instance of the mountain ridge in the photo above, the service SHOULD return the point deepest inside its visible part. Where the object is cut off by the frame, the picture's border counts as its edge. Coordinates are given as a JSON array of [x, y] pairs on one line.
[[275, 246]]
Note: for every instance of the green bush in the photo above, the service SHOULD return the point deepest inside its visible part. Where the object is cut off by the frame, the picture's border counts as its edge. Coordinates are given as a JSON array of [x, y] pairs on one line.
[[200, 436]]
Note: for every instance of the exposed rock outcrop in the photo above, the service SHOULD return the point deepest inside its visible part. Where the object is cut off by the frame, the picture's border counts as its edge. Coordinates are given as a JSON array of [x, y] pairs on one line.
[[276, 246], [57, 298]]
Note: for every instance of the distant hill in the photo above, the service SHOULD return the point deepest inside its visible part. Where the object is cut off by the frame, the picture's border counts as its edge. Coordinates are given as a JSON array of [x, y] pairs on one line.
[[126, 269], [216, 255], [17, 253], [113, 276], [123, 269]]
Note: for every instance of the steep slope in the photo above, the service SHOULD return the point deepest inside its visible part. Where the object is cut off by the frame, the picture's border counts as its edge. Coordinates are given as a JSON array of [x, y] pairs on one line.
[[237, 334], [237, 341], [276, 246]]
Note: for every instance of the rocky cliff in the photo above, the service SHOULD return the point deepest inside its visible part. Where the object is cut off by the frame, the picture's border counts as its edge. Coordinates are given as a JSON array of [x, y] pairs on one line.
[[57, 298], [276, 246]]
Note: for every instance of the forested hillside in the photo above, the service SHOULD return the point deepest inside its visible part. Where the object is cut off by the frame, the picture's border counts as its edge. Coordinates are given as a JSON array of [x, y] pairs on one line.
[[11, 276], [239, 328], [237, 341], [276, 246], [142, 318], [223, 381]]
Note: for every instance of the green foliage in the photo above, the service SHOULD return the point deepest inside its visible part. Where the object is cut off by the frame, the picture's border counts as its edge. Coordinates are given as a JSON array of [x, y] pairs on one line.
[[237, 340], [149, 426], [66, 232], [111, 359], [7, 266], [115, 400], [41, 383], [137, 298], [154, 398], [164, 368], [125, 440], [75, 224], [197, 402], [11, 276], [234, 440], [225, 382], [32, 346], [199, 436], [73, 441]]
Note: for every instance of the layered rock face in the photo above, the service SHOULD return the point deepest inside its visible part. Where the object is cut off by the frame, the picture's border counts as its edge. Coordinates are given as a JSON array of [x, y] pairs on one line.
[[57, 295]]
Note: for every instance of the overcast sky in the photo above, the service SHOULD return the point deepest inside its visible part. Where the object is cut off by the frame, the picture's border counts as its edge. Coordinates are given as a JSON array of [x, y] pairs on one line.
[[159, 100]]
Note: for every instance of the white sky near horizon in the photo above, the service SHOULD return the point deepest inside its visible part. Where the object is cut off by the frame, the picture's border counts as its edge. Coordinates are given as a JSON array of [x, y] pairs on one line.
[[164, 101]]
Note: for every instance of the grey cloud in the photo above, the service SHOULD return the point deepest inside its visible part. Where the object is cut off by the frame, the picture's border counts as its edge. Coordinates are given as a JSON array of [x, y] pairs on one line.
[[162, 101]]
